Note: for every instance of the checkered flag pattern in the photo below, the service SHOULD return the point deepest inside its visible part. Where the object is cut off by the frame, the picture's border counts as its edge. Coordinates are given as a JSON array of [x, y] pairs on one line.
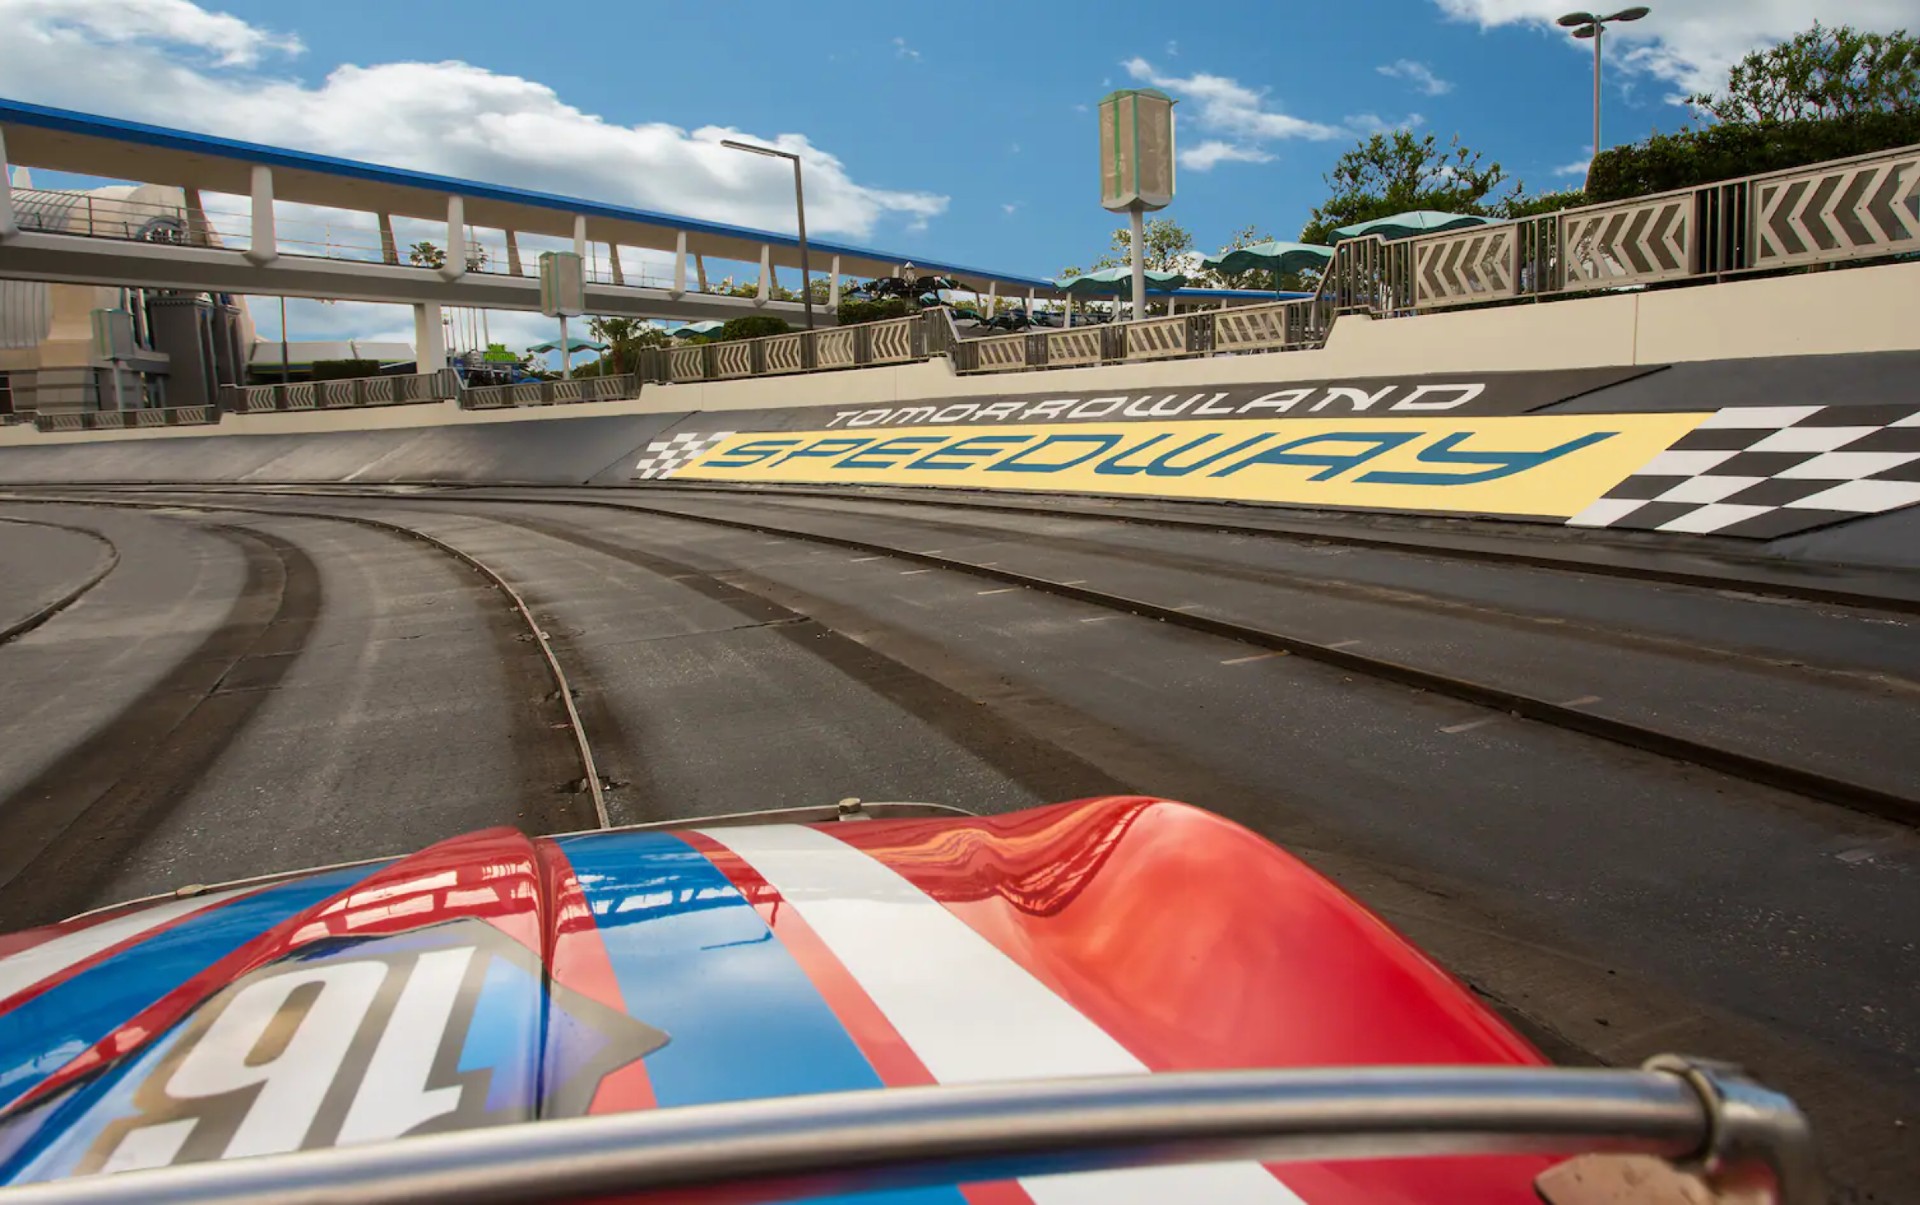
[[665, 457], [1766, 471]]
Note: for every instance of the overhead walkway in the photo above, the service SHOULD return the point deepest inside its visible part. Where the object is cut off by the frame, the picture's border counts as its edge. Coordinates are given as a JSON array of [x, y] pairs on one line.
[[252, 249]]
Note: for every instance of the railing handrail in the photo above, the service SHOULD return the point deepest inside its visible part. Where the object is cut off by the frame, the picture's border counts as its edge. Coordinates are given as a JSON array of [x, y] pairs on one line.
[[1699, 233], [1697, 1115]]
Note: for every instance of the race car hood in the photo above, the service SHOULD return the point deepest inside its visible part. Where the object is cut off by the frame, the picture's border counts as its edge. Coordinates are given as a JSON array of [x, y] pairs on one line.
[[494, 978]]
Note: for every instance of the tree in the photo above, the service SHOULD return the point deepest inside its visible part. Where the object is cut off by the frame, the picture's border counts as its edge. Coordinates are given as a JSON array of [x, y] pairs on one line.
[[624, 338], [1169, 249], [1245, 236], [425, 254], [1820, 72], [1393, 173], [1520, 205]]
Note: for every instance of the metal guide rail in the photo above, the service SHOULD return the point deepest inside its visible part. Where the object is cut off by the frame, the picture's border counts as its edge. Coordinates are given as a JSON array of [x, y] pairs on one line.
[[1714, 1127]]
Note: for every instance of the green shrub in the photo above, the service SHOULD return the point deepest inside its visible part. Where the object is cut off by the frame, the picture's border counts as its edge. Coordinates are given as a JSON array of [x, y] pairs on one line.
[[1666, 162], [341, 370], [1528, 205], [753, 326], [855, 310]]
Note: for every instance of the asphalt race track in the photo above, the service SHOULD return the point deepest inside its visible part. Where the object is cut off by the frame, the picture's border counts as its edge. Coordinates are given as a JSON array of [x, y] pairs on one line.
[[1643, 800]]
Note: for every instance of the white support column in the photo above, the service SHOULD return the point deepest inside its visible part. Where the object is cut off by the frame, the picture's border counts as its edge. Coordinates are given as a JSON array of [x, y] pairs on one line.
[[456, 265], [680, 264], [993, 297], [613, 261], [389, 246], [8, 225], [580, 235], [833, 287], [513, 253], [1069, 318], [265, 246], [766, 273], [1030, 303], [700, 268], [429, 338]]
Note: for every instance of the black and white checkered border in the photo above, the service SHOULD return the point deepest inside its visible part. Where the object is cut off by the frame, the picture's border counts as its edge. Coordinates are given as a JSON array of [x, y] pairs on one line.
[[665, 457], [1767, 471]]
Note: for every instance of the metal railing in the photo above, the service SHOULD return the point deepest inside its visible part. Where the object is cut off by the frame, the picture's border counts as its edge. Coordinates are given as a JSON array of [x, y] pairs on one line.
[[1866, 207], [893, 341], [1712, 1124], [404, 390], [551, 393], [117, 420]]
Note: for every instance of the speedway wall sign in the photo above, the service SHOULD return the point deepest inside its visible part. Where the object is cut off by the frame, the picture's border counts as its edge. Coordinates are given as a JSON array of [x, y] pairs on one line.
[[1477, 445], [1546, 466]]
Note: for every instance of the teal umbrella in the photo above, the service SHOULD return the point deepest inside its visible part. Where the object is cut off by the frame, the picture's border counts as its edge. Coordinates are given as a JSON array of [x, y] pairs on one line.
[[1116, 282], [573, 345], [1412, 222], [1272, 257], [697, 330]]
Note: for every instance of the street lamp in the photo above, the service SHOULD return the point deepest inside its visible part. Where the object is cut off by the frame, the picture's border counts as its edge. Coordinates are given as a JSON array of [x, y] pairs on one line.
[[800, 208], [1589, 25]]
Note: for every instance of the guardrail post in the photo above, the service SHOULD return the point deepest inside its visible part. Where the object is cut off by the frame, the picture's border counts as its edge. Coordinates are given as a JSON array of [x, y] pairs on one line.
[[709, 361], [810, 351], [756, 357], [1036, 350], [863, 344]]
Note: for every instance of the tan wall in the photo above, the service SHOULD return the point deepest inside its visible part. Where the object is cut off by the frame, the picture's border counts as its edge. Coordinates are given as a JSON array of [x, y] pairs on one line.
[[1819, 313]]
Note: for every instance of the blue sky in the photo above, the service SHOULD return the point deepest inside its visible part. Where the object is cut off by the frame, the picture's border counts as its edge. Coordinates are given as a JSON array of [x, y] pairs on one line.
[[963, 131]]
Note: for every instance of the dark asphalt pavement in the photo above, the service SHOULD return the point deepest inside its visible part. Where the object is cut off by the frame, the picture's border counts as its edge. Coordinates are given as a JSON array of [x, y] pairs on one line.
[[372, 694]]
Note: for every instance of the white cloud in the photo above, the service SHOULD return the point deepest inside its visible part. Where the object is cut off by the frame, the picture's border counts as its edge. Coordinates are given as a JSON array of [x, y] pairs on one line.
[[1419, 75], [1173, 49], [176, 64], [1691, 43], [1573, 169], [1227, 106], [186, 25], [1008, 207], [1203, 156], [903, 51], [1373, 123], [1241, 119]]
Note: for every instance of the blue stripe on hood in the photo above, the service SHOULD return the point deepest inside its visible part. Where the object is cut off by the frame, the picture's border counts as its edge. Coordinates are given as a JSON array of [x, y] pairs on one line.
[[693, 958], [50, 1030]]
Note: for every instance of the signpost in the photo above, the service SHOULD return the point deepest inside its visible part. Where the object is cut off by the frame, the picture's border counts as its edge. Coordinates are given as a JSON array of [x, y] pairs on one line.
[[1136, 166], [113, 342], [563, 291]]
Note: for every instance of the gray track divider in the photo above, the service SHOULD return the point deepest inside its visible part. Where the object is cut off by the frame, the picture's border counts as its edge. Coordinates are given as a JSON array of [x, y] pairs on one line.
[[590, 772], [22, 627], [1857, 796], [1492, 556]]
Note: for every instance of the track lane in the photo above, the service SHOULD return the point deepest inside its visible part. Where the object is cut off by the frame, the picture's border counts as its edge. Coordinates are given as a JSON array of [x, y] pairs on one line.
[[1749, 922]]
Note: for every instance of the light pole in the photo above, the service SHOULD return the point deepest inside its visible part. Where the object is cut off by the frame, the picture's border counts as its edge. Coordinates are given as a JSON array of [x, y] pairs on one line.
[[800, 211], [1589, 25]]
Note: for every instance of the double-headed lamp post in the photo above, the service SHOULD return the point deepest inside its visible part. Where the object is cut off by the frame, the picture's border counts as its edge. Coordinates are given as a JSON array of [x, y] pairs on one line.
[[1590, 25], [800, 209]]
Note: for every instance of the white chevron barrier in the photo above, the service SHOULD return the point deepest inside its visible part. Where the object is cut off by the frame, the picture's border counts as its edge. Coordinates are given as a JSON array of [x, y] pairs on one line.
[[1838, 211]]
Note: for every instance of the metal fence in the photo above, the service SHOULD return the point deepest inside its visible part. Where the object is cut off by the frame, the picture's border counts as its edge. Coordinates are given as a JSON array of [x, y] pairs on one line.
[[115, 420], [1863, 208], [405, 390], [894, 341], [551, 393]]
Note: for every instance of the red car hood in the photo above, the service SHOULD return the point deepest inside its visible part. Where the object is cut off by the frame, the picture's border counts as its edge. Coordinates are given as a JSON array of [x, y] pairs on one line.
[[495, 978]]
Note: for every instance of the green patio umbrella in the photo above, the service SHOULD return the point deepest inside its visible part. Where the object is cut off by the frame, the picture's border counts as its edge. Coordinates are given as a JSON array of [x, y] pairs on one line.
[[1117, 282], [1410, 223], [1274, 256], [573, 345], [697, 330]]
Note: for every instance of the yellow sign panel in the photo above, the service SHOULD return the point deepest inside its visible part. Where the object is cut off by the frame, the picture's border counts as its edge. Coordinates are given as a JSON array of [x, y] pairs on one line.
[[1549, 465]]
